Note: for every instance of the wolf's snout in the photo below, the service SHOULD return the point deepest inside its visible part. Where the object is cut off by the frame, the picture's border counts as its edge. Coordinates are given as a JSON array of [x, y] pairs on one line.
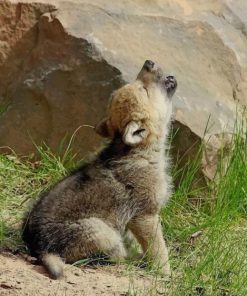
[[150, 72], [153, 68], [149, 65]]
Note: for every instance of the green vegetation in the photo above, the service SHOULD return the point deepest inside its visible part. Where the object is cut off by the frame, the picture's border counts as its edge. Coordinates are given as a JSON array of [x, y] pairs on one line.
[[3, 109], [21, 181], [206, 228]]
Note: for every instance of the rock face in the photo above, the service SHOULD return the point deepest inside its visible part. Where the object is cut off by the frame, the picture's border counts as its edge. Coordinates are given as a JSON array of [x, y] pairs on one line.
[[60, 60], [51, 83]]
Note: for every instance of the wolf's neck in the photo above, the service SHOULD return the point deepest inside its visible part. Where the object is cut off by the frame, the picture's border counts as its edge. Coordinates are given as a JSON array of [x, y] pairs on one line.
[[116, 150], [155, 152]]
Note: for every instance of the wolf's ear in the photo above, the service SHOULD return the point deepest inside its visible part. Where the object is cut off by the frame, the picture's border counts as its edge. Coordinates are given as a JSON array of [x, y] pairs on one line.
[[102, 129], [134, 133]]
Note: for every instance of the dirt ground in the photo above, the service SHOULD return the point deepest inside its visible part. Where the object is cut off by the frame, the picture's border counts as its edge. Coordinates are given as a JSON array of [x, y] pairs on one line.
[[20, 277]]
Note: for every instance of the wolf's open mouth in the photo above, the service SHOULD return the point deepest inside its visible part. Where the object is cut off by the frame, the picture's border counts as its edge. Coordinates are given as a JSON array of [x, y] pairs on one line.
[[170, 84]]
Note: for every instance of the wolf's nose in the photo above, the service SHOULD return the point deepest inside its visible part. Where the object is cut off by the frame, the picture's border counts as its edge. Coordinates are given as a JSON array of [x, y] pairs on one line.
[[148, 65]]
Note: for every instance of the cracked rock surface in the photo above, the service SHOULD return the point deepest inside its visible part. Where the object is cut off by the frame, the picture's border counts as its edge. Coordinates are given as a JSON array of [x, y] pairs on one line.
[[60, 60]]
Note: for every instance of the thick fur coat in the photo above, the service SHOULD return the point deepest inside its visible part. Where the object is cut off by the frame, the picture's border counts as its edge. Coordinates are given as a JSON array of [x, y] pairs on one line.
[[122, 188]]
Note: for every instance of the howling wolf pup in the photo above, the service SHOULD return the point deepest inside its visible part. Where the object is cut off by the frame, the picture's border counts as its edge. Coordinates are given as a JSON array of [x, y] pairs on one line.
[[122, 188]]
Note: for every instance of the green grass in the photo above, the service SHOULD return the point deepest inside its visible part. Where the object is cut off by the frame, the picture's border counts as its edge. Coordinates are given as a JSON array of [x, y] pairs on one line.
[[205, 228], [21, 181], [3, 108], [214, 262]]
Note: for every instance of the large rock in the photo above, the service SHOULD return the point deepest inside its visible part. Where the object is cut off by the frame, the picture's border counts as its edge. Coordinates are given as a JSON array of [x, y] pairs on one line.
[[61, 59], [51, 83]]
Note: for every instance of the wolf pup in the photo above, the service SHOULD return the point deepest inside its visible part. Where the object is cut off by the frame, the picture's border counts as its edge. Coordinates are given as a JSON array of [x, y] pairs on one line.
[[122, 188]]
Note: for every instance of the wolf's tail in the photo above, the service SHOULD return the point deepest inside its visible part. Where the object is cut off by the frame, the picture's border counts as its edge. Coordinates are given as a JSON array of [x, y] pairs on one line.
[[54, 264]]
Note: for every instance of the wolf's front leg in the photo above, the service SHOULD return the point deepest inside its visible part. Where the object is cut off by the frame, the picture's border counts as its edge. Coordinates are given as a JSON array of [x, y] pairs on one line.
[[148, 231]]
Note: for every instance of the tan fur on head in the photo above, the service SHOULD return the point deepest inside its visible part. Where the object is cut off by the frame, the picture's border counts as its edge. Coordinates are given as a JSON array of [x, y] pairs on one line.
[[136, 110]]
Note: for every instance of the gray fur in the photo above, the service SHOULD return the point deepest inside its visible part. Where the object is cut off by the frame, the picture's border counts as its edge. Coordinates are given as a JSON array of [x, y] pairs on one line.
[[122, 188]]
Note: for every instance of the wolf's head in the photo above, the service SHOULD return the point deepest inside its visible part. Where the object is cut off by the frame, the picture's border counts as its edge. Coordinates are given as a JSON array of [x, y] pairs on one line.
[[140, 111]]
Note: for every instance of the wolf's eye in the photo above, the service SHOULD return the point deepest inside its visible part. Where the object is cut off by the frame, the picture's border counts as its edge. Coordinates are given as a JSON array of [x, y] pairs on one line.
[[145, 90]]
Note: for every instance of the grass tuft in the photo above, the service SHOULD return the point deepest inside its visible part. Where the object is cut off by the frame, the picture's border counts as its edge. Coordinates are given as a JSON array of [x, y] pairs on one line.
[[21, 181]]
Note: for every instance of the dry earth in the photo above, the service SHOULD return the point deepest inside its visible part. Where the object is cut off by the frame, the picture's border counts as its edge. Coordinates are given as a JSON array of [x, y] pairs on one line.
[[19, 277]]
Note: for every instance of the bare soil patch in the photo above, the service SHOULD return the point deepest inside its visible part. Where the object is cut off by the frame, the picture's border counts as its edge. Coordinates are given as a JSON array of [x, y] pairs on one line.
[[19, 277]]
